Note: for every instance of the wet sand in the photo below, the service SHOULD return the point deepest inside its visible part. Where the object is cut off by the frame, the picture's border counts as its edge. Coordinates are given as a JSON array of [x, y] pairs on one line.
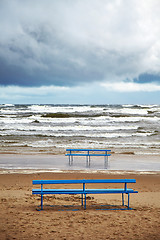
[[19, 218], [122, 162]]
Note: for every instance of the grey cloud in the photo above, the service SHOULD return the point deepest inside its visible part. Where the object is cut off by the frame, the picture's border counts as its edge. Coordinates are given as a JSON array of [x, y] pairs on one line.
[[71, 42], [145, 78]]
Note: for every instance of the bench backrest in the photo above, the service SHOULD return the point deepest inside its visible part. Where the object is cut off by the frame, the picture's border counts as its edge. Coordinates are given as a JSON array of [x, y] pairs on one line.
[[96, 150], [76, 181]]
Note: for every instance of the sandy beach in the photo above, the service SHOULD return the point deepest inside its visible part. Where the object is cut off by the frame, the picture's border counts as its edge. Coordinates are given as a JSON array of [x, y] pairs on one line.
[[19, 218]]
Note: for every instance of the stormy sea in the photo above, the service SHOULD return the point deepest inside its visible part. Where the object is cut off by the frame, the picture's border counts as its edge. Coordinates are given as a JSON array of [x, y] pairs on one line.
[[50, 129]]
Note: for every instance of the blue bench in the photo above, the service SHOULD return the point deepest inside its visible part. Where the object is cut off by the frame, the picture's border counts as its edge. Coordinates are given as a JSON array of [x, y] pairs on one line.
[[88, 153], [83, 191]]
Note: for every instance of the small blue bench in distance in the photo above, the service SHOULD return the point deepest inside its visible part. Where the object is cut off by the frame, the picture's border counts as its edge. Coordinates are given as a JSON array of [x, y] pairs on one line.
[[88, 153], [84, 191]]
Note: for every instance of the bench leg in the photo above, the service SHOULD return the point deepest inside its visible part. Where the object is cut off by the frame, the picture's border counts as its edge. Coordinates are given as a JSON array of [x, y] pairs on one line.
[[41, 201], [85, 201], [70, 160], [128, 200], [82, 199], [89, 163], [122, 199], [106, 162], [86, 161]]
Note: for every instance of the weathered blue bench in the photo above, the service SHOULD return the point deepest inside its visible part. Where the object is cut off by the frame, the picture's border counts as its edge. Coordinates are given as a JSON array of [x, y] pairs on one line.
[[88, 153], [83, 191]]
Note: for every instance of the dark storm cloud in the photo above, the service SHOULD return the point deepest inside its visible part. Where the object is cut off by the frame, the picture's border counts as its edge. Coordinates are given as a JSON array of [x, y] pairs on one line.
[[145, 78], [68, 43]]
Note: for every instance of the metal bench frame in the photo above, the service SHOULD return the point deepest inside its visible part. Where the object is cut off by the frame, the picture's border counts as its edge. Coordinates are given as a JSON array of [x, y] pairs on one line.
[[88, 153], [84, 191]]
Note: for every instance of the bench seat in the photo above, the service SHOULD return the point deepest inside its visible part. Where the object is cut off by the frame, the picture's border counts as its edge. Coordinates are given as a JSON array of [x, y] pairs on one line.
[[57, 191], [80, 191], [115, 190]]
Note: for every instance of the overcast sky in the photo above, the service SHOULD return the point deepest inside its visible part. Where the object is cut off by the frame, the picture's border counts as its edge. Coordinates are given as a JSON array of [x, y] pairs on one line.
[[80, 51]]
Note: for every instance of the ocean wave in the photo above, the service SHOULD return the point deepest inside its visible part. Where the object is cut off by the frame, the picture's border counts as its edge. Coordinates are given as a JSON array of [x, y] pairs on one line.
[[143, 106], [121, 126], [70, 115], [7, 105], [83, 134], [65, 111]]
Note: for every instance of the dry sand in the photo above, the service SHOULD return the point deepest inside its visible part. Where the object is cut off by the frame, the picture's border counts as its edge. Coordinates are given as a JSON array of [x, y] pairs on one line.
[[19, 218]]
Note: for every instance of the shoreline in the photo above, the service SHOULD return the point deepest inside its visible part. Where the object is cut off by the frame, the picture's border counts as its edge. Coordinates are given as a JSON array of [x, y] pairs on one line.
[[55, 163], [106, 172]]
